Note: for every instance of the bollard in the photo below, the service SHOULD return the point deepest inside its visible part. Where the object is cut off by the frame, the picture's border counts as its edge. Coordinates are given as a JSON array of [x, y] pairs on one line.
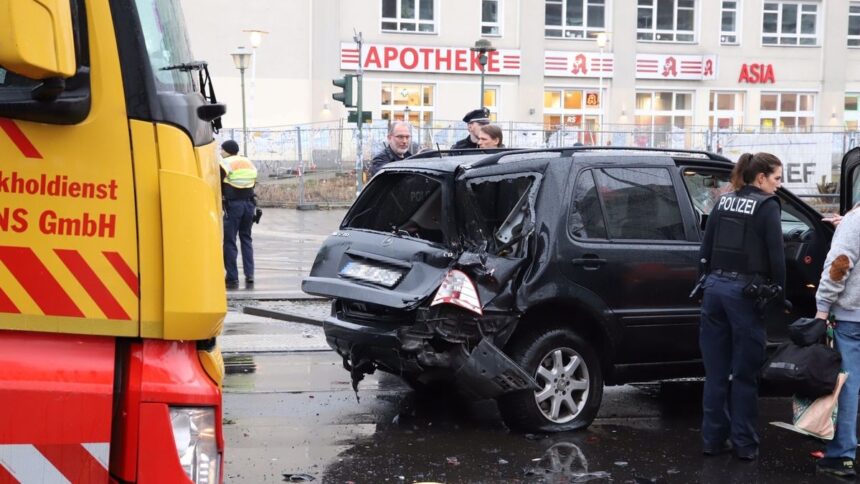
[[302, 205]]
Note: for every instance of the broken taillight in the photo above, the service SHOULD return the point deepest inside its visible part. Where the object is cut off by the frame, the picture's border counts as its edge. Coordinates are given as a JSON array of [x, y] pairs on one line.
[[459, 290]]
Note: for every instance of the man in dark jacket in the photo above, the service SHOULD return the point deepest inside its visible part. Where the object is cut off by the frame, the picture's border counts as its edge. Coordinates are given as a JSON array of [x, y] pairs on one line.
[[474, 120], [399, 145]]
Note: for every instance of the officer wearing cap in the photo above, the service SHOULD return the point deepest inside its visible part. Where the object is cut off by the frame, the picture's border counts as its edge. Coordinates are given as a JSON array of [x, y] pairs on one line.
[[742, 251], [474, 120], [238, 177]]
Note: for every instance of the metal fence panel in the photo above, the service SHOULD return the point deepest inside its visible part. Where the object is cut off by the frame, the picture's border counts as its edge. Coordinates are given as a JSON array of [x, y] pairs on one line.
[[315, 163]]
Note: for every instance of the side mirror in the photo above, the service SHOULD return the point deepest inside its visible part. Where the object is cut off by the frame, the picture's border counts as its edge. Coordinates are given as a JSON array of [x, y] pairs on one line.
[[36, 38], [211, 112]]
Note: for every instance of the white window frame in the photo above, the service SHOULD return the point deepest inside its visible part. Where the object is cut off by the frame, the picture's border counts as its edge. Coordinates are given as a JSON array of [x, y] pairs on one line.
[[498, 24], [654, 33], [399, 20], [671, 113], [571, 31], [853, 11], [778, 113], [724, 34], [736, 114], [798, 36]]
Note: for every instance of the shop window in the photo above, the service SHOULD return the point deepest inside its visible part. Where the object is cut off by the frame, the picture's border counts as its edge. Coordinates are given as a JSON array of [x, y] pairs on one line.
[[852, 111], [663, 118], [491, 102], [573, 109], [726, 111], [787, 111], [408, 102]]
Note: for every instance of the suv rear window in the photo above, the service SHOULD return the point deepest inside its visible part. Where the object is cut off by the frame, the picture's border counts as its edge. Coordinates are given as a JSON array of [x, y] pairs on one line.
[[407, 204], [498, 212]]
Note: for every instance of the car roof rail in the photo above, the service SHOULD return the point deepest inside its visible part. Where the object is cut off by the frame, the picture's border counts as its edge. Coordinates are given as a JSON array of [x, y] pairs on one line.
[[569, 151], [431, 153]]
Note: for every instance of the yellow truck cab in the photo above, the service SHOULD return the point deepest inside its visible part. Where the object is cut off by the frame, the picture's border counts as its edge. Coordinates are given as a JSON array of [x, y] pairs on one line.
[[111, 273]]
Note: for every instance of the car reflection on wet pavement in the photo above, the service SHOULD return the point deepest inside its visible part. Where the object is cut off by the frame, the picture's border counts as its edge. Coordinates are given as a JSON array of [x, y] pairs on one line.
[[294, 414]]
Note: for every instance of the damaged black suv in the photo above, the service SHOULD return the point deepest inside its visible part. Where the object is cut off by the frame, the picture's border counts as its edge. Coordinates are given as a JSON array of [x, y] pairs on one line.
[[537, 277]]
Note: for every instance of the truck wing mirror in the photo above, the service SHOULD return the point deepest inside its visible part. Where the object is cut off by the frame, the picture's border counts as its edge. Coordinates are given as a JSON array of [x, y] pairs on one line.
[[36, 38], [211, 112]]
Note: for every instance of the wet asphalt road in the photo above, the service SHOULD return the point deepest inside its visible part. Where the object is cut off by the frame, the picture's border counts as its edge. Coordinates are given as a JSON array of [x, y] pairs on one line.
[[295, 413]]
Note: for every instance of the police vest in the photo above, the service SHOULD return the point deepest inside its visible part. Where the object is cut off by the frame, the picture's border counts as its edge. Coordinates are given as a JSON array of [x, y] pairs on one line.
[[241, 172], [737, 247]]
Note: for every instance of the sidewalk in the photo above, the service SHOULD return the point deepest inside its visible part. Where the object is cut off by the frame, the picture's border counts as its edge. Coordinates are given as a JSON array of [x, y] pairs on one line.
[[286, 242]]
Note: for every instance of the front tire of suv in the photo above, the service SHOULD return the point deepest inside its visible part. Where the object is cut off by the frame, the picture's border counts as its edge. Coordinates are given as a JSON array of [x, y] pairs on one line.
[[568, 372]]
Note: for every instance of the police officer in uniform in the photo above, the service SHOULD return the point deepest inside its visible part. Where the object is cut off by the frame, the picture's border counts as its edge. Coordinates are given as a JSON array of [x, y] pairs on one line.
[[742, 244], [474, 120], [238, 177]]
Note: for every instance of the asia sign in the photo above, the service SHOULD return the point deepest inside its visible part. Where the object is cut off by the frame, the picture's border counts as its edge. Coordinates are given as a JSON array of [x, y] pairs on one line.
[[676, 67], [578, 64], [446, 60], [757, 74]]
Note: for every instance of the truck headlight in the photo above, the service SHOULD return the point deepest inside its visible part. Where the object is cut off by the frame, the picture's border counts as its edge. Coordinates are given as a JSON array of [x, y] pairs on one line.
[[196, 444]]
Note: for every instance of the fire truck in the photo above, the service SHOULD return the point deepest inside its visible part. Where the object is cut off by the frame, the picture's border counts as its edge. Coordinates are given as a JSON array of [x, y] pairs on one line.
[[111, 273]]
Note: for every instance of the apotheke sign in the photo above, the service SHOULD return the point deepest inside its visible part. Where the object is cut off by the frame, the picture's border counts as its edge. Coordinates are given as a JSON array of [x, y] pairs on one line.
[[676, 67], [578, 64], [447, 60]]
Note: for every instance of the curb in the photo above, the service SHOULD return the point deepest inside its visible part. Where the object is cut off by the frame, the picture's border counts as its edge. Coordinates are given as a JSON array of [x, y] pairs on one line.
[[282, 315], [287, 296]]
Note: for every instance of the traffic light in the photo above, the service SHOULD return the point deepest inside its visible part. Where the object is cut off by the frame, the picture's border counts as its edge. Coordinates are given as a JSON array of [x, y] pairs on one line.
[[345, 83]]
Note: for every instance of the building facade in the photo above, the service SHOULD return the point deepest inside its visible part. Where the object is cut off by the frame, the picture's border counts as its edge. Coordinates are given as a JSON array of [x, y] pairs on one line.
[[662, 64]]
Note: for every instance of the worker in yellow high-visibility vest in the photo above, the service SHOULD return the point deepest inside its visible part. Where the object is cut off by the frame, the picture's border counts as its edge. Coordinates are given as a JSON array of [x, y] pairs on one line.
[[239, 175]]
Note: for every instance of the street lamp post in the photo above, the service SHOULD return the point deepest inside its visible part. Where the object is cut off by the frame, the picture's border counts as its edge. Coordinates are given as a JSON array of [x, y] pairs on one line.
[[255, 36], [241, 59], [602, 39], [482, 47]]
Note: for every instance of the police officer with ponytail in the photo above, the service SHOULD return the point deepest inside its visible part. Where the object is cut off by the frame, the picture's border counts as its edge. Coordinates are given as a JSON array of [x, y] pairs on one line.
[[742, 252]]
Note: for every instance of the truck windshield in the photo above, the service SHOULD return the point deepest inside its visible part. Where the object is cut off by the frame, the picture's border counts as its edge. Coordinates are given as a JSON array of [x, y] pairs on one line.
[[167, 44]]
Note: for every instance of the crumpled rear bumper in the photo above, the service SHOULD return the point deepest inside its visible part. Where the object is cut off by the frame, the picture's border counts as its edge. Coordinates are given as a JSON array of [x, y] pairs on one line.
[[479, 368]]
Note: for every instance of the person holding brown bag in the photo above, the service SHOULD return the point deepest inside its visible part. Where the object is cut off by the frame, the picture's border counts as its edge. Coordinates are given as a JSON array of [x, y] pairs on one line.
[[839, 295]]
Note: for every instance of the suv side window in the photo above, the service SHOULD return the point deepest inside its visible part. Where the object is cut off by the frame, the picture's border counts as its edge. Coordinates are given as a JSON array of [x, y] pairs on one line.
[[586, 216], [705, 189], [640, 203]]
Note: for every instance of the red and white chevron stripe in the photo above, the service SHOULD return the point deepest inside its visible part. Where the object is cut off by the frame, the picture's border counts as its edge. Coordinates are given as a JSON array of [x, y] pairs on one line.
[[54, 463]]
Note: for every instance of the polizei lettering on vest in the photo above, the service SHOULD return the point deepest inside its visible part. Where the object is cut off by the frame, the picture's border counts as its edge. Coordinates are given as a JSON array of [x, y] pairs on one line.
[[737, 205]]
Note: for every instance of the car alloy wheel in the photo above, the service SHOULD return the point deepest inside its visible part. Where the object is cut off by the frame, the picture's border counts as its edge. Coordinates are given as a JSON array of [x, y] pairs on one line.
[[567, 371], [563, 377]]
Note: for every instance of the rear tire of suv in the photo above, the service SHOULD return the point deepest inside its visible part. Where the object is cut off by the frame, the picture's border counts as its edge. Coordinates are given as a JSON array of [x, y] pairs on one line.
[[570, 378]]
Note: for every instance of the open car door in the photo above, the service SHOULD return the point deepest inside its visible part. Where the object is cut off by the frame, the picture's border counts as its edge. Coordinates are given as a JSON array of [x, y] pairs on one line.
[[848, 181]]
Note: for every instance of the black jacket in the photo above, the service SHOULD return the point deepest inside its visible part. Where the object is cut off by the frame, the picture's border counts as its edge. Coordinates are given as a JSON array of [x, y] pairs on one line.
[[744, 234], [464, 144], [385, 157]]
